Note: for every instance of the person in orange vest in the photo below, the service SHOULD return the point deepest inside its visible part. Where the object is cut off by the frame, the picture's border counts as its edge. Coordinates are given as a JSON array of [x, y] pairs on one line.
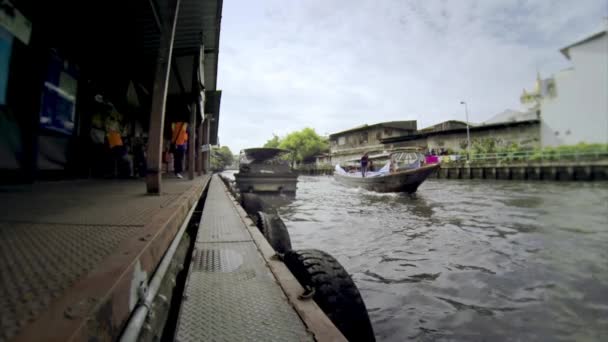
[[179, 140], [116, 146]]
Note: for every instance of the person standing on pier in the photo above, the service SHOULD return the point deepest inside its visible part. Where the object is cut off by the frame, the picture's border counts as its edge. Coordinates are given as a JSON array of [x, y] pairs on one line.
[[179, 139], [364, 162]]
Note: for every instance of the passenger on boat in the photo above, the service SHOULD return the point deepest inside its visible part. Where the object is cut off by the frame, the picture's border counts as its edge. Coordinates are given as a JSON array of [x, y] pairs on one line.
[[364, 161]]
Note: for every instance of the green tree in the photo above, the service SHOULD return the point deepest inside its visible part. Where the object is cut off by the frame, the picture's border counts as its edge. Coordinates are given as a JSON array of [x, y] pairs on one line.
[[221, 157], [274, 142], [303, 144]]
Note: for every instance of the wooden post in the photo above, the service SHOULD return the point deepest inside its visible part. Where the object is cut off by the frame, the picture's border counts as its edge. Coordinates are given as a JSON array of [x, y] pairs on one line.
[[159, 100]]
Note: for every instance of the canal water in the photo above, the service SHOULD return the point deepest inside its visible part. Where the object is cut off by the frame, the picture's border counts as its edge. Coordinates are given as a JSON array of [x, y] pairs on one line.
[[467, 260]]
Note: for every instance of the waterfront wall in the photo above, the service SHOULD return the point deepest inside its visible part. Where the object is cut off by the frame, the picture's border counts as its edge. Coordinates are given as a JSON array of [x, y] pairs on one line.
[[556, 171], [315, 171], [529, 171]]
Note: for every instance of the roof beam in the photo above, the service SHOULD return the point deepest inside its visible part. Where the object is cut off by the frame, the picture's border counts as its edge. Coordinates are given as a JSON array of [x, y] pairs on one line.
[[174, 67]]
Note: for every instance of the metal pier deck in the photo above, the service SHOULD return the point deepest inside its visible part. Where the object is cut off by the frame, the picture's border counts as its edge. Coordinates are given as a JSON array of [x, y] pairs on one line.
[[231, 294], [73, 252]]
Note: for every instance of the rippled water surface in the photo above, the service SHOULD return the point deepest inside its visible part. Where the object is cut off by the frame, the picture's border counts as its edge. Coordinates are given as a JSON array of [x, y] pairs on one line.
[[467, 260]]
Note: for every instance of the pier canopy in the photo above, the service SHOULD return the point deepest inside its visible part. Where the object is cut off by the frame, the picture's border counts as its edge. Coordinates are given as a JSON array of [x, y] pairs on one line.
[[149, 62]]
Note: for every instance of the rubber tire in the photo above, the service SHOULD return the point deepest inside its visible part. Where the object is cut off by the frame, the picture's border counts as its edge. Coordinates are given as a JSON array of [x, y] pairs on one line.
[[275, 231], [252, 203], [335, 292]]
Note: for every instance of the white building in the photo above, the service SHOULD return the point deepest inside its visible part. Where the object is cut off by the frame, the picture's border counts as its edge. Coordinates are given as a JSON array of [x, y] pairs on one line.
[[574, 102]]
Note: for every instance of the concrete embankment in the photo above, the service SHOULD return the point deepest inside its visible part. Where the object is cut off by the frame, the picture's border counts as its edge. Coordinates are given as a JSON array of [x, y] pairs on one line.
[[315, 172], [550, 171]]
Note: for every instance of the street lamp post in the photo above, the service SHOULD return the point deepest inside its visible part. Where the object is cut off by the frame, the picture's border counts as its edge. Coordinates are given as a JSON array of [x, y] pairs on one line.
[[466, 113]]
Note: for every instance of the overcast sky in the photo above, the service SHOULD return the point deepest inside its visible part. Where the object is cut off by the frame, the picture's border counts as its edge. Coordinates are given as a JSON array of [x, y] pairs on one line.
[[331, 65]]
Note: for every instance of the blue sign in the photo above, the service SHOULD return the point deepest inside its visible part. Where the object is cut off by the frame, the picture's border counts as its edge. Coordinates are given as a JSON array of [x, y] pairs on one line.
[[6, 42], [58, 109]]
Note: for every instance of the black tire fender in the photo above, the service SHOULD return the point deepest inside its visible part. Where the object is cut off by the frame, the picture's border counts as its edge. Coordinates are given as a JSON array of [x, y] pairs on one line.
[[334, 291], [275, 231], [252, 203]]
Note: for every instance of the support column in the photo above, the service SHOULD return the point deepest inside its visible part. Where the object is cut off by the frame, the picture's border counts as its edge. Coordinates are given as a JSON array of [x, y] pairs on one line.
[[191, 141], [199, 151], [193, 112], [207, 154], [159, 99]]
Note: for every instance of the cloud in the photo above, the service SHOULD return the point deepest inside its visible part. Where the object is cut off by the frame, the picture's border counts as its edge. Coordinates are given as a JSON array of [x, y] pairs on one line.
[[331, 65]]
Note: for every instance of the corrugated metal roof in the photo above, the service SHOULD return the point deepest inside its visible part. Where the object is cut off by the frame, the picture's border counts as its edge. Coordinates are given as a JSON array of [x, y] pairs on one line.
[[403, 125], [198, 22], [424, 134], [510, 115]]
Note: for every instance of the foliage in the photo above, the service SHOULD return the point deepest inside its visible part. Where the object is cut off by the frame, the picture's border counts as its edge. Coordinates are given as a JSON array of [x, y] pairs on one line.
[[484, 150], [559, 152], [221, 157], [484, 145], [274, 142], [303, 144], [463, 144]]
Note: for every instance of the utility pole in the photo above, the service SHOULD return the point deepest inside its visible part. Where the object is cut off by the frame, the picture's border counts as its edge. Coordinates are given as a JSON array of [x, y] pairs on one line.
[[466, 113]]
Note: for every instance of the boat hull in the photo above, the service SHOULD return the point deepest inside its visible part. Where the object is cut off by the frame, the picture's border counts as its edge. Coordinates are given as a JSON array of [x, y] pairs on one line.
[[404, 181], [272, 183]]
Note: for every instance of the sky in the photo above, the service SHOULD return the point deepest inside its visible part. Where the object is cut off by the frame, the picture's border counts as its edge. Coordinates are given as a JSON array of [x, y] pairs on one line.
[[332, 65]]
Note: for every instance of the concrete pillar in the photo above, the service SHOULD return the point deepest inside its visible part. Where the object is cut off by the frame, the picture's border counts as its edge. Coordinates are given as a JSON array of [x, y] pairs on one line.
[[192, 150], [477, 173], [199, 152], [206, 156], [192, 142], [492, 173], [451, 173], [533, 173], [159, 99], [518, 173], [599, 172], [569, 173], [504, 173], [550, 173], [587, 172]]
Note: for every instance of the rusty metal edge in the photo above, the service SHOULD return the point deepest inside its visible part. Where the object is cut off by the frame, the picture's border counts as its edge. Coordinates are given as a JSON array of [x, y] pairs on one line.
[[97, 306], [311, 314]]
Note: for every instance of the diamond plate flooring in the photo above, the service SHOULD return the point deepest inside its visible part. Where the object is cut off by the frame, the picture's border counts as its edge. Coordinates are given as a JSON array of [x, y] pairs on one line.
[[52, 234], [230, 293]]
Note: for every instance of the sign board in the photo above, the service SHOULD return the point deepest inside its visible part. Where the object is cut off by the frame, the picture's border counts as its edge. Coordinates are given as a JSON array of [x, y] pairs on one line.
[[6, 42], [206, 148], [58, 105], [58, 109], [14, 22]]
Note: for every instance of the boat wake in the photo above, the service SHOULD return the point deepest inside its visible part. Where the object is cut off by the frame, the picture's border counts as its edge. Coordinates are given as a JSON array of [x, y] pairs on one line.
[[361, 191]]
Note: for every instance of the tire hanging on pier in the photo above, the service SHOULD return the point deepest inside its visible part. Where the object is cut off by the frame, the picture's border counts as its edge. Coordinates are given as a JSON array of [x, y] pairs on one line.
[[334, 291], [275, 231], [252, 204]]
